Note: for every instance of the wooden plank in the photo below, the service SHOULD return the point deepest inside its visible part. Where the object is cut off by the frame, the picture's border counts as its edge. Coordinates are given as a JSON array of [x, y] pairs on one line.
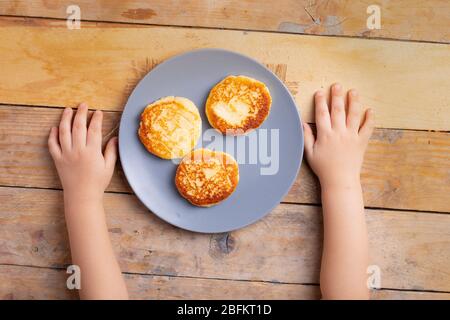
[[408, 295], [401, 19], [412, 249], [402, 169], [21, 283], [24, 157], [41, 283], [44, 63]]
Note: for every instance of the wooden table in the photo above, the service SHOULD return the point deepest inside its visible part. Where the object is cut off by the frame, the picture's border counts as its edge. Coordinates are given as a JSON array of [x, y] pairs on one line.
[[406, 174]]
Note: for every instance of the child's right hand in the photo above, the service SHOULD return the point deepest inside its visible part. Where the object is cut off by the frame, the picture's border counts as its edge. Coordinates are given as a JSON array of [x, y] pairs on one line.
[[336, 155]]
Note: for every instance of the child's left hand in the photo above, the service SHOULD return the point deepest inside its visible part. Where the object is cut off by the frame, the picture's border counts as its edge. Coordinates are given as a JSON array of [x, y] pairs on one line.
[[77, 152]]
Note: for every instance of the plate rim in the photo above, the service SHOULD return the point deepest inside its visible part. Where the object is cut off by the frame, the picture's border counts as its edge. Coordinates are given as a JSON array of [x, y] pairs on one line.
[[298, 118]]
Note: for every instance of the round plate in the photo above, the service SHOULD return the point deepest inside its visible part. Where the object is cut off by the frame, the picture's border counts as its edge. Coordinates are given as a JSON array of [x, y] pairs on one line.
[[265, 178]]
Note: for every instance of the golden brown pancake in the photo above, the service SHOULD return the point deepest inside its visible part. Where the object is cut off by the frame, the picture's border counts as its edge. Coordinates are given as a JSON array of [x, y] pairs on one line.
[[238, 104], [170, 127], [205, 177]]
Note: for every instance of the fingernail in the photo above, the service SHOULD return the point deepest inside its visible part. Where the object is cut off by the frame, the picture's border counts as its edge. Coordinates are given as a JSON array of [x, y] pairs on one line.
[[337, 87], [319, 93], [353, 93], [67, 109]]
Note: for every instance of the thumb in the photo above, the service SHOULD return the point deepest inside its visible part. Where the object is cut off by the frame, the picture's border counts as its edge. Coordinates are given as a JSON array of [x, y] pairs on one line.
[[309, 140], [368, 125], [111, 153]]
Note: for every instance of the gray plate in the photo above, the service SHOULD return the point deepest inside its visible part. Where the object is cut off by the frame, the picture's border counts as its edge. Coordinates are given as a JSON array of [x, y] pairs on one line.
[[192, 75]]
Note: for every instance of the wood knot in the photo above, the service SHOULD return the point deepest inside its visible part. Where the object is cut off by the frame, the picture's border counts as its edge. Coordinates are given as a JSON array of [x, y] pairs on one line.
[[221, 245]]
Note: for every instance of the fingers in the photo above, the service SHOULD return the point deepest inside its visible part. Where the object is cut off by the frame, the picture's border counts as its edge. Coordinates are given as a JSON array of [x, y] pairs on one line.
[[309, 140], [79, 127], [368, 125], [53, 144], [354, 111], [111, 153], [65, 135], [323, 122], [337, 107], [94, 137]]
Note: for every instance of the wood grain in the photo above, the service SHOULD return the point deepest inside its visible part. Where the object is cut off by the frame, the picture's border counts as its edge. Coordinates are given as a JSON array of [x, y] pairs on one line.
[[412, 249], [27, 283], [46, 64], [402, 169], [24, 157], [401, 19], [21, 283]]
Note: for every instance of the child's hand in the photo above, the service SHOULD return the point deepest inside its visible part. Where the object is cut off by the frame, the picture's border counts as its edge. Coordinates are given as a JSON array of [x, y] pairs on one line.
[[85, 173], [77, 151], [336, 155]]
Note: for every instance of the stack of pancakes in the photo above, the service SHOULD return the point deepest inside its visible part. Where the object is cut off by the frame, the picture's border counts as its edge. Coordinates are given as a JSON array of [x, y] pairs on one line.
[[171, 126]]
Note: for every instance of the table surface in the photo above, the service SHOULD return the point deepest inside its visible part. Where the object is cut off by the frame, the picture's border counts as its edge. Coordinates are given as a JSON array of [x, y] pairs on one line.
[[308, 44]]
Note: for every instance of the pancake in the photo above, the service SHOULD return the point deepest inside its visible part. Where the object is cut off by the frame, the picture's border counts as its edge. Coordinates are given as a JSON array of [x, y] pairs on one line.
[[237, 105], [205, 177], [170, 127]]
